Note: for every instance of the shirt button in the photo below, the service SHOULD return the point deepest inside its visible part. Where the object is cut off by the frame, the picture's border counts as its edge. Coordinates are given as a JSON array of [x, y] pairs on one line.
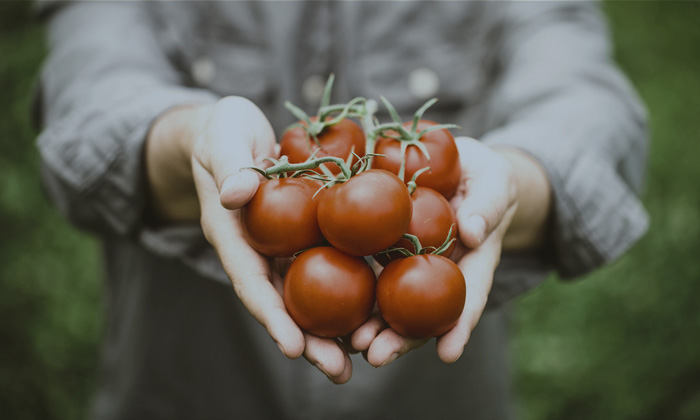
[[203, 70], [312, 89], [423, 83]]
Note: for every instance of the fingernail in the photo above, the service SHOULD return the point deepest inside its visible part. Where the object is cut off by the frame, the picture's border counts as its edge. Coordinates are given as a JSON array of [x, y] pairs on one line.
[[391, 358], [237, 189], [477, 226], [237, 180]]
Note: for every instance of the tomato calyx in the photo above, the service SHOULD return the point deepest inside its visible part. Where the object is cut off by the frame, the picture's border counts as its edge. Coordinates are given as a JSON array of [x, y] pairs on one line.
[[282, 167], [412, 184], [327, 115], [419, 250], [408, 137]]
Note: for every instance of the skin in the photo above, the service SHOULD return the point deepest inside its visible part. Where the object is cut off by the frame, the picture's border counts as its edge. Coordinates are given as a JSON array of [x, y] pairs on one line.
[[193, 160]]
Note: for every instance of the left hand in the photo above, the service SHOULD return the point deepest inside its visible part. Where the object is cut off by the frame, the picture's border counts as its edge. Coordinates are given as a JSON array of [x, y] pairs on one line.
[[486, 203]]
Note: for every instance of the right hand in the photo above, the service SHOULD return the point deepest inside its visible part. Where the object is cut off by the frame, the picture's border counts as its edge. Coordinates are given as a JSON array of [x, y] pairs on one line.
[[216, 141]]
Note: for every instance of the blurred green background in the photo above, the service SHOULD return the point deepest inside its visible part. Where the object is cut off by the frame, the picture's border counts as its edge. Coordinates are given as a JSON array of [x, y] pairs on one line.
[[623, 343]]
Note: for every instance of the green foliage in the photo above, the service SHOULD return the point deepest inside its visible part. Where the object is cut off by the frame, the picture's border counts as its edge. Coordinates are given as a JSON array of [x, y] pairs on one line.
[[623, 343], [620, 344], [50, 307]]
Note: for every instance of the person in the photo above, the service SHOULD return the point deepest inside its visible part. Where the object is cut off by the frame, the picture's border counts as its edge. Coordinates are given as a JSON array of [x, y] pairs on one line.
[[150, 109]]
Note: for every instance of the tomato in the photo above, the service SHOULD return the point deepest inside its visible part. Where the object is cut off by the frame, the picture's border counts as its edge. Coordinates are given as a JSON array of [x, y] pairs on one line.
[[445, 172], [280, 219], [432, 219], [329, 293], [366, 214], [338, 140], [421, 296]]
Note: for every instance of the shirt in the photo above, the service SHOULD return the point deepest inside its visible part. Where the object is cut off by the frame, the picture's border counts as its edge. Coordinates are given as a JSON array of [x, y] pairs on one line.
[[533, 75]]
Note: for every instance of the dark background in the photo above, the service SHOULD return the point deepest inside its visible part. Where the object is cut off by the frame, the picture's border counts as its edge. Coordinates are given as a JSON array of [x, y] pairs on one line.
[[623, 343]]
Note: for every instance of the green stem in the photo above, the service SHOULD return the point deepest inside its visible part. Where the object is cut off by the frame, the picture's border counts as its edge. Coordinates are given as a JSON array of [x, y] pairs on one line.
[[369, 128], [412, 184], [415, 241], [284, 166], [448, 242]]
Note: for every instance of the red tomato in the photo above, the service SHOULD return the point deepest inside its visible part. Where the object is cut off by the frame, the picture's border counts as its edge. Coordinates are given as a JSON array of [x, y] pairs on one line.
[[338, 140], [280, 219], [445, 171], [328, 293], [432, 219], [421, 296], [366, 214]]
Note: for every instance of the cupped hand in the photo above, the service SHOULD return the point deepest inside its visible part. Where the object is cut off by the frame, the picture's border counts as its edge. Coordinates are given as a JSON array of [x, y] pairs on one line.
[[485, 203], [218, 141]]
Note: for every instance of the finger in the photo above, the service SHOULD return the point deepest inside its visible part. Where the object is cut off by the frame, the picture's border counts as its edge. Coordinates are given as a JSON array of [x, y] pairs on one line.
[[362, 337], [489, 192], [389, 346], [277, 282], [249, 271], [345, 342], [478, 267], [238, 136], [329, 357]]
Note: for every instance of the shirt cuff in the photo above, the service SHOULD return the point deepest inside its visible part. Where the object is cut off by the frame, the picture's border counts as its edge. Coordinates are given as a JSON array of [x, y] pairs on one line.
[[96, 160], [596, 214]]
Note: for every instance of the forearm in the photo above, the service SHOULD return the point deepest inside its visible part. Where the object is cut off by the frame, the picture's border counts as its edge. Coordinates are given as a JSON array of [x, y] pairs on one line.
[[529, 227]]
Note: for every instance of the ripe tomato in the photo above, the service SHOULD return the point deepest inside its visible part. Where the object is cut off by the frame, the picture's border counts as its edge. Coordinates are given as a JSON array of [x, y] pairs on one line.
[[421, 296], [445, 171], [338, 140], [280, 219], [328, 293], [432, 219], [366, 214]]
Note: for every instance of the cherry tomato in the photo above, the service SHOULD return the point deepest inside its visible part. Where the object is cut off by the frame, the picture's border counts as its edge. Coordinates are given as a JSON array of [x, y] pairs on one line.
[[445, 172], [280, 219], [338, 140], [366, 214], [432, 219], [421, 296], [329, 293]]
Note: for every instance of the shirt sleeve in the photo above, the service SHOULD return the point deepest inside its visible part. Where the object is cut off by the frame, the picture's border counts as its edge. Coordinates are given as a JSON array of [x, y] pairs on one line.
[[560, 98], [105, 81]]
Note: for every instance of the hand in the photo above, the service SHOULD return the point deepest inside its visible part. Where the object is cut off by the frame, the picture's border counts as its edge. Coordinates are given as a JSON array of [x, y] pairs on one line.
[[486, 204], [217, 141]]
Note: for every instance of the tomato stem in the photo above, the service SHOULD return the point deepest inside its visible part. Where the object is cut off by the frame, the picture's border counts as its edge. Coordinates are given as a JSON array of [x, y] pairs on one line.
[[412, 185], [368, 124], [408, 137], [283, 165], [448, 242], [419, 248], [415, 242]]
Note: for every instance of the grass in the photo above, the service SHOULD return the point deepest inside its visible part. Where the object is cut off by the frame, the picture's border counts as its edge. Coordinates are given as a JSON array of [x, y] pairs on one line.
[[619, 344], [622, 343], [50, 307]]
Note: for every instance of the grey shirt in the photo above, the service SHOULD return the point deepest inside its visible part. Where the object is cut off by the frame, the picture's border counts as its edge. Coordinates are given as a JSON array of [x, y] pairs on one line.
[[537, 76]]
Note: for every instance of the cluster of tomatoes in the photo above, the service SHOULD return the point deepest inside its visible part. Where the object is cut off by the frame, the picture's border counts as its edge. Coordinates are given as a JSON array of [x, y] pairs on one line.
[[342, 192]]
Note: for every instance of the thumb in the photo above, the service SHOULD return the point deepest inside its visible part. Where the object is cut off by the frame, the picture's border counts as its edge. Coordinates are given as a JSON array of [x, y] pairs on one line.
[[238, 136], [491, 191]]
